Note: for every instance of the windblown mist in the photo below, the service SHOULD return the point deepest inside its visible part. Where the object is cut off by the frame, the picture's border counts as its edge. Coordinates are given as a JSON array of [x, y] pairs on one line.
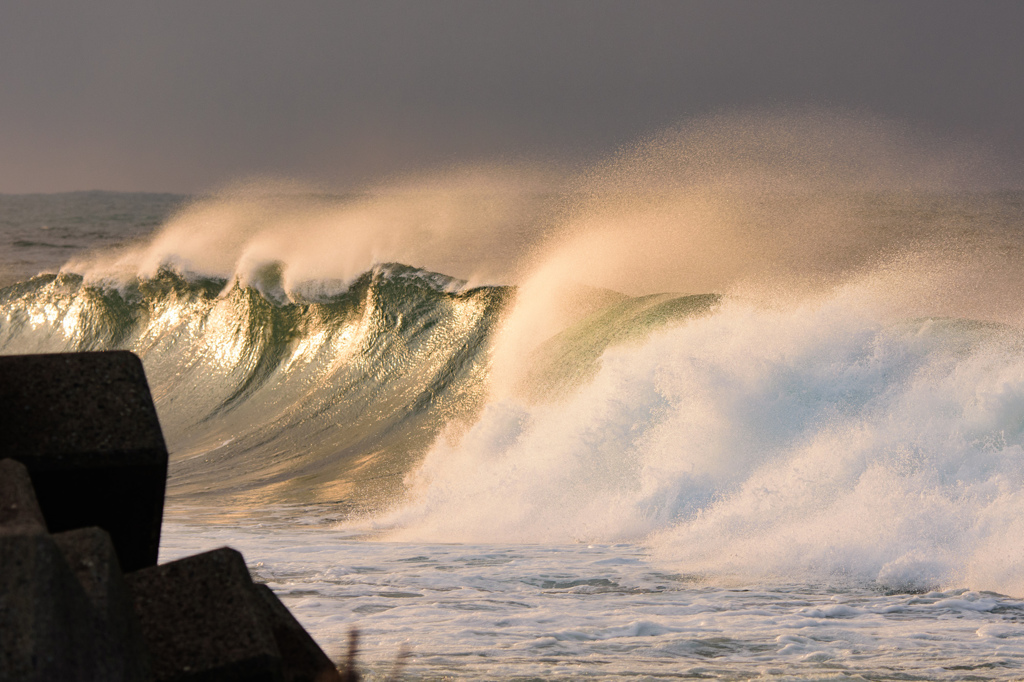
[[774, 351]]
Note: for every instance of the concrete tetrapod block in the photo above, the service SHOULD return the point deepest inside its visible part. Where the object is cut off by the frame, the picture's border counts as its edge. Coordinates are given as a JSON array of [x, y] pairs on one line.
[[47, 624], [90, 556], [85, 426], [203, 620], [302, 658], [18, 505]]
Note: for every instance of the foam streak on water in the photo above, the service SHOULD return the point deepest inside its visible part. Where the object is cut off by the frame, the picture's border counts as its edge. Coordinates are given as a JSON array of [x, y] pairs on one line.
[[604, 611]]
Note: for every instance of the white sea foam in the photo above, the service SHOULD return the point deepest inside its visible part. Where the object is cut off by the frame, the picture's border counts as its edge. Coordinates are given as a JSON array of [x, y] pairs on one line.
[[826, 440], [599, 611]]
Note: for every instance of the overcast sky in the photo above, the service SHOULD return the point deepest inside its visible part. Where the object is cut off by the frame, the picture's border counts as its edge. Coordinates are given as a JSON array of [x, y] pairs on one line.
[[183, 95]]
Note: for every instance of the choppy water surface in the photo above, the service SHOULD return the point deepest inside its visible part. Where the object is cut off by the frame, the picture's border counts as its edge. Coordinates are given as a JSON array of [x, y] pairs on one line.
[[603, 611]]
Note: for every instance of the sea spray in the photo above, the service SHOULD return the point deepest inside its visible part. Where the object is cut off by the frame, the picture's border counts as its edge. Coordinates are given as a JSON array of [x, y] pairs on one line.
[[820, 442], [476, 224], [658, 334], [848, 413]]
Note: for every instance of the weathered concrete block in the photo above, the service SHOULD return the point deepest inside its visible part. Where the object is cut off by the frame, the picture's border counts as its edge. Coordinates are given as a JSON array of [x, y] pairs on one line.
[[302, 658], [47, 625], [203, 620], [121, 649], [85, 426], [19, 509]]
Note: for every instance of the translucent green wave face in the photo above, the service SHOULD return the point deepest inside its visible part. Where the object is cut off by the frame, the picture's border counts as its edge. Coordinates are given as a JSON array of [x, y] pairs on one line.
[[310, 400], [572, 357]]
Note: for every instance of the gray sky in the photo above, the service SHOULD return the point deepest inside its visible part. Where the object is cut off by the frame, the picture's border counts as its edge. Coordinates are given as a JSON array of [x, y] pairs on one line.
[[186, 95]]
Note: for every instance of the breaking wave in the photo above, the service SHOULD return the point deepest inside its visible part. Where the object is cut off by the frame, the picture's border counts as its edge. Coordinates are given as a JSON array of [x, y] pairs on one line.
[[309, 399], [838, 393]]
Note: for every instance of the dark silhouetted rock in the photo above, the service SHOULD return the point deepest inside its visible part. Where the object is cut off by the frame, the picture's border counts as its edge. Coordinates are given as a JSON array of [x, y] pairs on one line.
[[302, 658], [203, 619], [121, 649], [85, 426], [19, 509], [47, 625]]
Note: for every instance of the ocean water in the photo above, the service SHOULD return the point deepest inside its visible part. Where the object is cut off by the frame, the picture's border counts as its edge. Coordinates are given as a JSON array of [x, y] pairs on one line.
[[745, 401], [604, 611]]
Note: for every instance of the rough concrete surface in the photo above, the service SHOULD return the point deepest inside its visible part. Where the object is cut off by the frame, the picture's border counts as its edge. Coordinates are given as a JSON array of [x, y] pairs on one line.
[[90, 556], [85, 426], [18, 505], [202, 619], [301, 656], [82, 456], [48, 625]]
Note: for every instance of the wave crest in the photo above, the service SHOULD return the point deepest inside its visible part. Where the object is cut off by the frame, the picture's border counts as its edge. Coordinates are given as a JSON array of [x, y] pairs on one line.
[[314, 395]]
